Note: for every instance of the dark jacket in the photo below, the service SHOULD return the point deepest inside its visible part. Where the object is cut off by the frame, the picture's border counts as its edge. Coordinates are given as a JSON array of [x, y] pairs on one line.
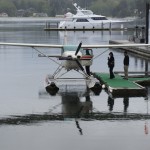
[[111, 62], [126, 60]]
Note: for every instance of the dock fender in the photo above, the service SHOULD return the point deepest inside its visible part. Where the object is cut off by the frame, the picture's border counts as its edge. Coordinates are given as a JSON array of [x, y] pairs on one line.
[[110, 89], [103, 86]]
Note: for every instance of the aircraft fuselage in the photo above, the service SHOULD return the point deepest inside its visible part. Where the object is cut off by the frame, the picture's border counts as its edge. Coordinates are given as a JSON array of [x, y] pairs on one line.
[[70, 60]]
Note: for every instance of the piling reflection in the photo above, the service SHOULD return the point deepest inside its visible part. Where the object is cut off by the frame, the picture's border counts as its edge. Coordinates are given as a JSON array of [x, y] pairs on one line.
[[110, 103], [146, 128], [126, 103]]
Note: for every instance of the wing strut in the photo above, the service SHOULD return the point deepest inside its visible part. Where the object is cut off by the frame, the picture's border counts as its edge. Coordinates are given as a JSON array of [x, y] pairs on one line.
[[46, 56]]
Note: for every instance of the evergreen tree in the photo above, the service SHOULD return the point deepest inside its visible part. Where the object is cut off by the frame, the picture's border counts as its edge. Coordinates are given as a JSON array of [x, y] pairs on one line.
[[114, 8]]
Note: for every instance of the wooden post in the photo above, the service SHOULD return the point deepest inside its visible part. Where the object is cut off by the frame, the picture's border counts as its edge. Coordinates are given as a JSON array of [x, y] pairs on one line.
[[110, 26], [147, 35], [102, 25]]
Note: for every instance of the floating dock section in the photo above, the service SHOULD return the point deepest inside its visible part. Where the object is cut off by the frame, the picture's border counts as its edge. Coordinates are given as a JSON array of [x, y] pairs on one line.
[[119, 87], [141, 51]]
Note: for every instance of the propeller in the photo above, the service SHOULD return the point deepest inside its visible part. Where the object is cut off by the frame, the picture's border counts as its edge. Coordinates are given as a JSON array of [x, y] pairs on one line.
[[79, 46], [77, 61], [79, 64]]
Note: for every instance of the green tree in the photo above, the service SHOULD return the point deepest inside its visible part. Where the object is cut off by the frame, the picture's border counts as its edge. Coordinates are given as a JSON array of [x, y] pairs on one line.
[[105, 7], [8, 7], [114, 8]]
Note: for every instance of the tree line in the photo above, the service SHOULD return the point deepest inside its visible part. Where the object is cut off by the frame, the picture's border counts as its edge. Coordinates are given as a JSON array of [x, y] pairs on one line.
[[111, 8]]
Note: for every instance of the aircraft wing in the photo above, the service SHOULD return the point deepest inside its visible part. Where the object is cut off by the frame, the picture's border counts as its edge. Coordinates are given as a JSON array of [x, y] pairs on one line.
[[31, 45], [115, 45], [82, 46]]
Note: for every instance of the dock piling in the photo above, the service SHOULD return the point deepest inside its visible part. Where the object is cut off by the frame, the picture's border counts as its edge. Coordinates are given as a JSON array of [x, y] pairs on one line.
[[147, 23]]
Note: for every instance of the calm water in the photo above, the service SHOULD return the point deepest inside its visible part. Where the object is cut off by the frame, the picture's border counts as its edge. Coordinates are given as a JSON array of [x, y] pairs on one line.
[[75, 118]]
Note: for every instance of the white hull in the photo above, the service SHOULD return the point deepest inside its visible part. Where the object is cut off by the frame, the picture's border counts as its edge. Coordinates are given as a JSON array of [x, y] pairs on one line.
[[85, 25]]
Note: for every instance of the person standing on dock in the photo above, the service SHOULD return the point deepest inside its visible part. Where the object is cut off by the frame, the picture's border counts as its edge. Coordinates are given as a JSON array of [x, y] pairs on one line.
[[126, 65], [87, 67], [111, 63]]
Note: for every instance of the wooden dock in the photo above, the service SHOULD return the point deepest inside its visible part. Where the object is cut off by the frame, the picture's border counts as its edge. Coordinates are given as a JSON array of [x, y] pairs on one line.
[[53, 26], [119, 87], [75, 29], [141, 51], [85, 29]]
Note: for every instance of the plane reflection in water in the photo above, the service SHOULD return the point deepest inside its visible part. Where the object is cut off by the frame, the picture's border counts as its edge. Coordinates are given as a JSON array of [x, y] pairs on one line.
[[73, 107]]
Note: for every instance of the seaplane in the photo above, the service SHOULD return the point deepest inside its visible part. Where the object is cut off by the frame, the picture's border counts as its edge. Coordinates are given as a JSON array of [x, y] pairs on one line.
[[73, 57]]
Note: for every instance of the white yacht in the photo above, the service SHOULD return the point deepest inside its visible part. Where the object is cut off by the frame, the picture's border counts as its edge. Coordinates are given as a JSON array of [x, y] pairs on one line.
[[84, 19]]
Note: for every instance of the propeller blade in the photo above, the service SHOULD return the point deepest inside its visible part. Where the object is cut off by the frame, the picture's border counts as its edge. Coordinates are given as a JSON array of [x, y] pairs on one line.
[[78, 48], [79, 64]]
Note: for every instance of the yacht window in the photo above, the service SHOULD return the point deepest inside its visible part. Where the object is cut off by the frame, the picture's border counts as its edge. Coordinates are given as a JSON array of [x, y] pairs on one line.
[[99, 18], [87, 12], [82, 20]]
